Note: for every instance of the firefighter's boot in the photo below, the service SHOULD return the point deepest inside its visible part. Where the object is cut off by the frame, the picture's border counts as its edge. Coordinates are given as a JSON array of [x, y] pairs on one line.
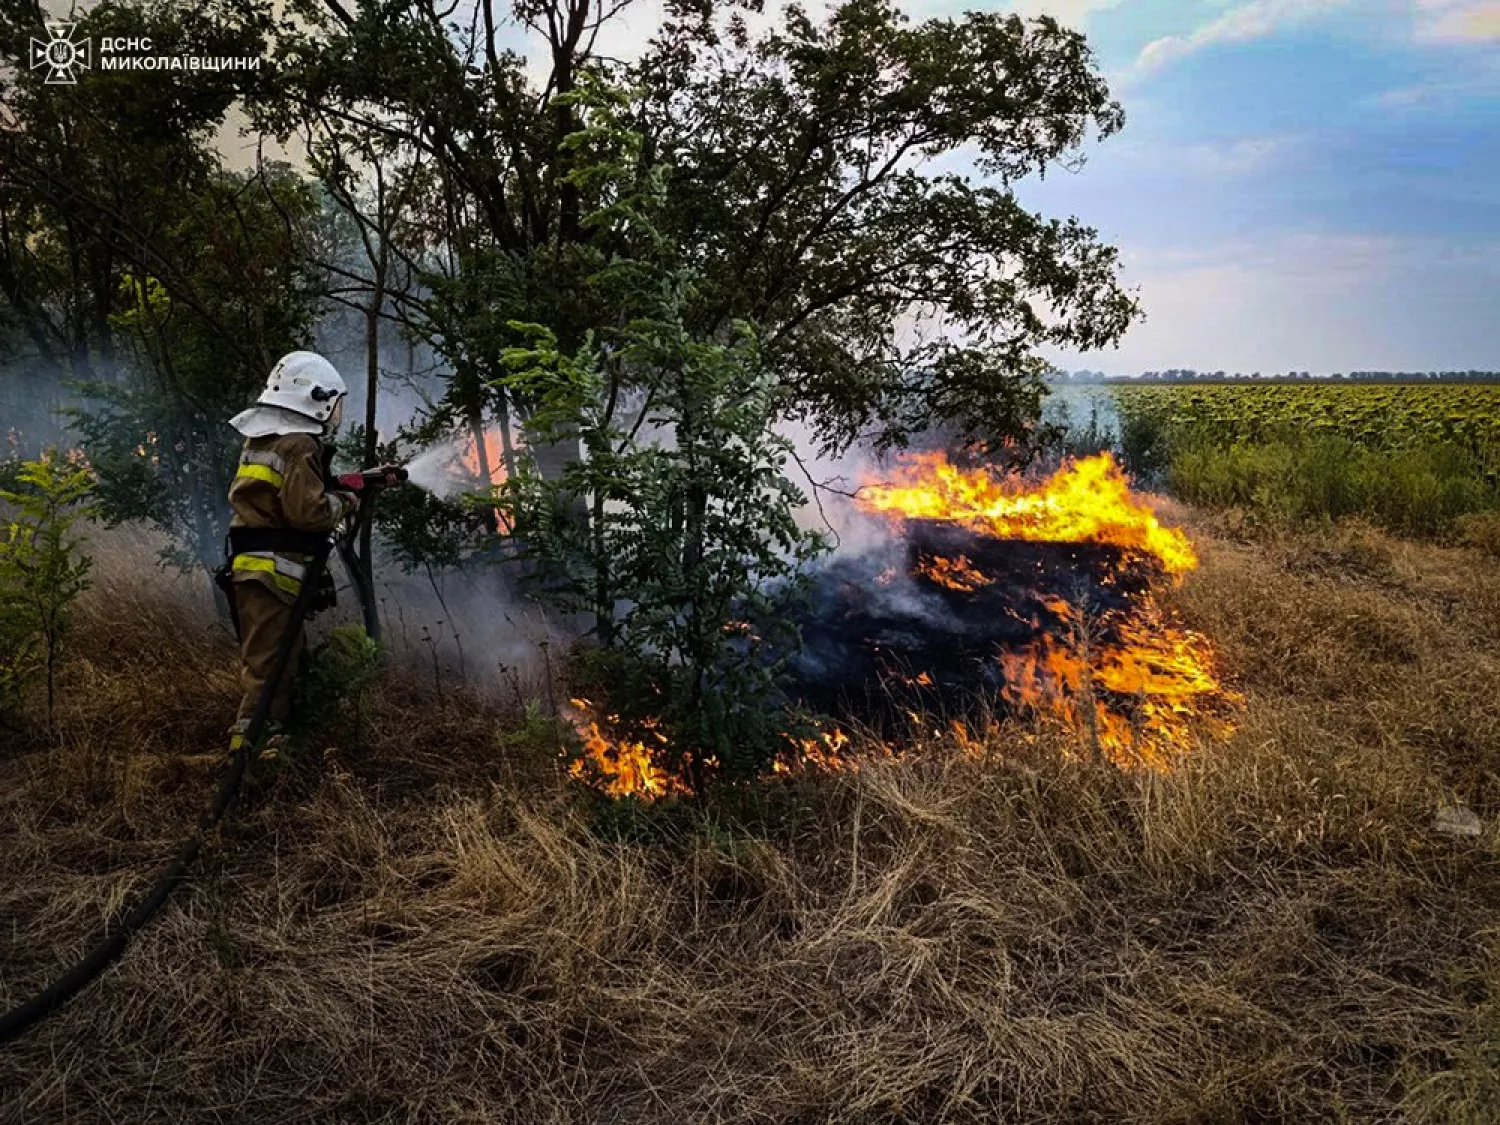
[[275, 749], [272, 745], [237, 736]]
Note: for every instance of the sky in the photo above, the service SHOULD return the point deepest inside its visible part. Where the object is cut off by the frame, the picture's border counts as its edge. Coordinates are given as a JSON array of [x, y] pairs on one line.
[[1300, 184]]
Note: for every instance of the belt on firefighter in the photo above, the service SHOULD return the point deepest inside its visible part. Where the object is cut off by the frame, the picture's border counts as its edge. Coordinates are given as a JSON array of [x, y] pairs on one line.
[[243, 540]]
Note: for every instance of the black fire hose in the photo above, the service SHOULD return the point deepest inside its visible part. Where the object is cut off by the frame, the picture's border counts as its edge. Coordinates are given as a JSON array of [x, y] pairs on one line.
[[93, 963]]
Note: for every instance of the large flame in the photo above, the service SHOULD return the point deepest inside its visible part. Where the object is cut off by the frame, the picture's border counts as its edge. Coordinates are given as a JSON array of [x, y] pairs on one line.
[[1128, 682], [1131, 683], [1086, 501]]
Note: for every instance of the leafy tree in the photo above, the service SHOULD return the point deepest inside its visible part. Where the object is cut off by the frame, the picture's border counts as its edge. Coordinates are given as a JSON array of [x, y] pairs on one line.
[[42, 570], [137, 266], [100, 178], [690, 527], [800, 190], [160, 441], [801, 183]]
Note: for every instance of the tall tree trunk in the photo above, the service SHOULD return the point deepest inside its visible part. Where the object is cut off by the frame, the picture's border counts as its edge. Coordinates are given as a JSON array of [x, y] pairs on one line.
[[482, 459], [507, 447], [365, 559], [604, 600]]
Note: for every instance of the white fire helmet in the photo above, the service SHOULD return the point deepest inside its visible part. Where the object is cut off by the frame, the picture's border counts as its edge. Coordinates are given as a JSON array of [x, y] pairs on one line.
[[307, 383]]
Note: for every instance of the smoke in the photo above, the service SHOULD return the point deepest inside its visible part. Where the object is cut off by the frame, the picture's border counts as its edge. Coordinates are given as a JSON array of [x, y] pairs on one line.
[[36, 397], [469, 627], [829, 483], [1087, 417]]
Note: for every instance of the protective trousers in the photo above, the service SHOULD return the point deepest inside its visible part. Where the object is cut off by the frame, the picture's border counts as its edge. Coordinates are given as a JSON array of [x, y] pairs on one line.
[[263, 621]]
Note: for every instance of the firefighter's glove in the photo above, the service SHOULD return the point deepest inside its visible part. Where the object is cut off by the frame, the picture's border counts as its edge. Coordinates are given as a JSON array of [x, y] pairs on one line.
[[350, 500]]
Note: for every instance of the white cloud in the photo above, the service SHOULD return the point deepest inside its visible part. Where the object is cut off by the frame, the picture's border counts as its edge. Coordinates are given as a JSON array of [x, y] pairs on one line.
[[1254, 20], [1464, 21], [1440, 94], [1240, 157], [1314, 302]]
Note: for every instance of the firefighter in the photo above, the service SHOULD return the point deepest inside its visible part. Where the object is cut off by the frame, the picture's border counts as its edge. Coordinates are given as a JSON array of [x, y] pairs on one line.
[[283, 508]]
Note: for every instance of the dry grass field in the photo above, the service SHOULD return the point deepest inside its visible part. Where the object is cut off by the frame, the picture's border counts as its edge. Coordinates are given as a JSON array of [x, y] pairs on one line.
[[425, 924]]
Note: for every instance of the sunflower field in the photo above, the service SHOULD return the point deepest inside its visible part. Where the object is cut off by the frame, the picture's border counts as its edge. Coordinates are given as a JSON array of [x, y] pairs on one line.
[[1420, 459], [1401, 415]]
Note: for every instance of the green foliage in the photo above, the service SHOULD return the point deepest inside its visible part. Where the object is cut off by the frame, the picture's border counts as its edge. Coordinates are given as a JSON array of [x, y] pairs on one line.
[[42, 569], [1378, 417], [160, 464], [114, 175], [683, 540], [335, 680], [1417, 491], [1414, 459], [675, 526], [539, 734], [1144, 445], [802, 182]]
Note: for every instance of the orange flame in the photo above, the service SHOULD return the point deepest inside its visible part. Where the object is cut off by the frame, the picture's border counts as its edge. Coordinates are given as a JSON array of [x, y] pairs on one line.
[[1086, 501], [1133, 697], [494, 457], [620, 767], [971, 744], [829, 751], [956, 574]]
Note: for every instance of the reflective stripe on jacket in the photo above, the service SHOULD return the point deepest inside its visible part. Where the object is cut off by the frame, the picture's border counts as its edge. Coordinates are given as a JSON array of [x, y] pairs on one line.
[[280, 484], [282, 572]]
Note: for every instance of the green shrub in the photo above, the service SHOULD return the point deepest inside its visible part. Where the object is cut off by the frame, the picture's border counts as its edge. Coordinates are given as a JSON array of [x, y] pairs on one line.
[[42, 570], [1144, 445], [336, 680], [1420, 490], [1415, 460]]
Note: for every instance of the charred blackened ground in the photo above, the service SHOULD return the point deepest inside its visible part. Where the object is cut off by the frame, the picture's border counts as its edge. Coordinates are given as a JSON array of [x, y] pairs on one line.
[[923, 624]]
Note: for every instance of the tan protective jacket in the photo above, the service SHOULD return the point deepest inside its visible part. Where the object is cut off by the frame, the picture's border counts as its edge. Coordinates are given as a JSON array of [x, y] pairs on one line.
[[280, 485]]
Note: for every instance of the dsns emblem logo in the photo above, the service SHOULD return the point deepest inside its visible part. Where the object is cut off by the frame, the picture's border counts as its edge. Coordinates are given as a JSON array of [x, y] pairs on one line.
[[60, 54]]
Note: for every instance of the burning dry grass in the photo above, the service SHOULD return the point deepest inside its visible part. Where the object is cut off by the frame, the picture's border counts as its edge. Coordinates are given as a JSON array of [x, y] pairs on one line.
[[426, 928], [1086, 501]]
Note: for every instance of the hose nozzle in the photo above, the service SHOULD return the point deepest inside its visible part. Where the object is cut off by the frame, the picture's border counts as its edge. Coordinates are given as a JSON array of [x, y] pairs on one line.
[[382, 476]]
